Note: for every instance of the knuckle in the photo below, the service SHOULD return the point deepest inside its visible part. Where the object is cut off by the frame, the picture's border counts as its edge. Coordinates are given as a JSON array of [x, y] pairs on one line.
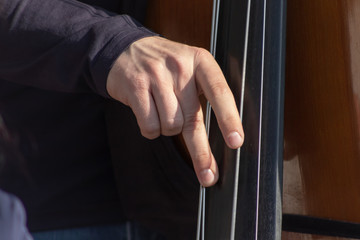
[[180, 65], [172, 127], [219, 89], [139, 84], [158, 75], [156, 68], [193, 123], [150, 131], [203, 54], [185, 73], [201, 155]]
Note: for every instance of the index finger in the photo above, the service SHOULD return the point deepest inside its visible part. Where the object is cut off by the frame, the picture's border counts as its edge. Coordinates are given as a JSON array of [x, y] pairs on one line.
[[195, 137], [211, 81]]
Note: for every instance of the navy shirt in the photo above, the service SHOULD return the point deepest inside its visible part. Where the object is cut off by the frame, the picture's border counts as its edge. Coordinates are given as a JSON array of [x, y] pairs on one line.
[[12, 218], [54, 60]]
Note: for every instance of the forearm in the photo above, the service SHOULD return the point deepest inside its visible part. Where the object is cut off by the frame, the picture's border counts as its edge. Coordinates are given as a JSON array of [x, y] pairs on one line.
[[61, 45]]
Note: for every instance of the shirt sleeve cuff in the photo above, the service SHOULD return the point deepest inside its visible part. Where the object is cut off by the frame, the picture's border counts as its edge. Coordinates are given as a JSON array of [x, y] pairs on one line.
[[121, 38]]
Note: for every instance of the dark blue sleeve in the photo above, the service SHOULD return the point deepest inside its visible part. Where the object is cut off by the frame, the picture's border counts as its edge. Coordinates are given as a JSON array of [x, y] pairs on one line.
[[62, 45], [12, 218]]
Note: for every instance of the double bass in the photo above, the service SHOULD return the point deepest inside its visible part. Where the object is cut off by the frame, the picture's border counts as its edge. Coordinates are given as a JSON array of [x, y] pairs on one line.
[[248, 38], [293, 68]]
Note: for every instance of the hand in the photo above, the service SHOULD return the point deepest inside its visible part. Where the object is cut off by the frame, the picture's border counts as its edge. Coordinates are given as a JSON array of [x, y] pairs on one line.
[[161, 81]]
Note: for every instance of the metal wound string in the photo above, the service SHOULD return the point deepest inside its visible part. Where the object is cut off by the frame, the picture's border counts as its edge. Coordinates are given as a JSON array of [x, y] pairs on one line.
[[237, 166], [260, 122], [201, 212]]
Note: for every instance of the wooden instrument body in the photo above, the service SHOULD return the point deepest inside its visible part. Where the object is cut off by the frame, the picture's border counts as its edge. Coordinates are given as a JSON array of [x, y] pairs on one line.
[[321, 108], [321, 171]]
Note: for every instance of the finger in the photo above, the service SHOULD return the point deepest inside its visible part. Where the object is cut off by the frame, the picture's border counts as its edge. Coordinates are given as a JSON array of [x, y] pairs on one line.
[[212, 82], [195, 137], [143, 106], [168, 107]]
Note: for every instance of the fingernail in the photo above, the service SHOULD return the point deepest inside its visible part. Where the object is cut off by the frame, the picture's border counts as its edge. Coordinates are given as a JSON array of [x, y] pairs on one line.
[[207, 177], [235, 140]]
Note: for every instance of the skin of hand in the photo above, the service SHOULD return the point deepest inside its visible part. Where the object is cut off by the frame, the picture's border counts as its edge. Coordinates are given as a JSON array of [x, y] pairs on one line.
[[161, 80]]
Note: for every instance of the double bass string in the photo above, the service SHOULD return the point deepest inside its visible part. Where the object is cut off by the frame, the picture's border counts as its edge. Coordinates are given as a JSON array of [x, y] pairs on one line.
[[260, 121], [243, 80], [201, 213]]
